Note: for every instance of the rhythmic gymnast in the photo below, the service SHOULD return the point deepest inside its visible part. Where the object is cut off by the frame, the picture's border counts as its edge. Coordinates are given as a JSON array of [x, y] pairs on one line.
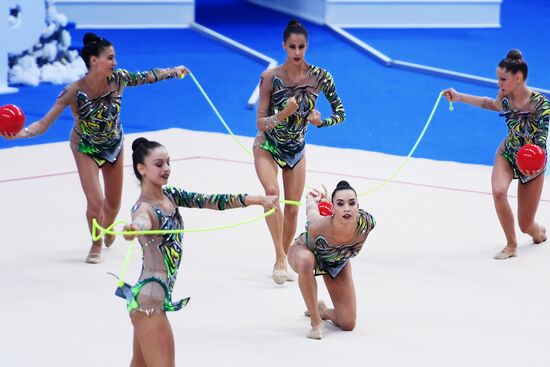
[[326, 248], [157, 208], [527, 115], [97, 137], [288, 94]]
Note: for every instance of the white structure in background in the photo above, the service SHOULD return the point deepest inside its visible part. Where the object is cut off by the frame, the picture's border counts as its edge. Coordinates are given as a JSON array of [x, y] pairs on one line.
[[393, 13], [41, 52], [128, 14], [19, 33], [50, 59], [38, 43], [121, 14]]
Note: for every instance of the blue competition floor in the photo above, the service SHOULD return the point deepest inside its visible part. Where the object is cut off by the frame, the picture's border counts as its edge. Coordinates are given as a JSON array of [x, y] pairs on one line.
[[386, 107]]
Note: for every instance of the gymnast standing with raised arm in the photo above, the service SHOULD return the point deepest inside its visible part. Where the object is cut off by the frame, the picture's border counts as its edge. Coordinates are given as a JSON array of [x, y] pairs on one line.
[[157, 208], [527, 115], [97, 136]]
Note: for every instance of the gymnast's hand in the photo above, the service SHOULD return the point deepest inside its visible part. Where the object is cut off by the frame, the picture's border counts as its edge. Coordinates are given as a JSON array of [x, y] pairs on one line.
[[7, 135], [314, 118], [269, 202], [181, 71], [451, 95], [291, 106], [11, 136], [319, 195], [130, 227]]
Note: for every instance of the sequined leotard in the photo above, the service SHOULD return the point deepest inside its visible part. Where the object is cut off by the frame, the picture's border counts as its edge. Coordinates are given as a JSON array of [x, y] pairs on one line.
[[162, 253], [525, 127], [98, 131], [330, 257], [286, 141]]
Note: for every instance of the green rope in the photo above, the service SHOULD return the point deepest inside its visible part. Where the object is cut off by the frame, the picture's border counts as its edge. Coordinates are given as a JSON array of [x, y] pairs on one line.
[[406, 160]]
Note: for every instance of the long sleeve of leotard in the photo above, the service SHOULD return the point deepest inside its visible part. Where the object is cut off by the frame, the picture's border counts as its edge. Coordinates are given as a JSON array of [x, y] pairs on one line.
[[543, 119], [190, 199], [132, 79], [338, 112]]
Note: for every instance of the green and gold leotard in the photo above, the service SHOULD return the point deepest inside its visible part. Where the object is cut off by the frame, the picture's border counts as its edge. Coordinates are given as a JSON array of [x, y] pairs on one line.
[[286, 141], [98, 128], [162, 253], [331, 257], [525, 127]]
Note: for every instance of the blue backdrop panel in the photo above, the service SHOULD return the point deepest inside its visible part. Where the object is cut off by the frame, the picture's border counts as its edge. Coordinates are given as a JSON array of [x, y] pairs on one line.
[[386, 107]]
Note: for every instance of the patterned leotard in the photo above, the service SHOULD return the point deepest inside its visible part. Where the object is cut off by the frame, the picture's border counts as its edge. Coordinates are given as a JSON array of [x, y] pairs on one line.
[[286, 141], [330, 257], [98, 129], [525, 127], [162, 253]]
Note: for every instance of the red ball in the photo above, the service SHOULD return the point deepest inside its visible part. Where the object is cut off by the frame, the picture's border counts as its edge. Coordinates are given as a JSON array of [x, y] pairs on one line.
[[325, 208], [530, 158], [12, 119]]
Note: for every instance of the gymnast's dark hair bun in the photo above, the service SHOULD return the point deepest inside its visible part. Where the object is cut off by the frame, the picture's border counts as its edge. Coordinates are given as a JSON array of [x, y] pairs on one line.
[[342, 185], [93, 46], [137, 143], [514, 54], [514, 63], [293, 23], [141, 148], [294, 27], [89, 38]]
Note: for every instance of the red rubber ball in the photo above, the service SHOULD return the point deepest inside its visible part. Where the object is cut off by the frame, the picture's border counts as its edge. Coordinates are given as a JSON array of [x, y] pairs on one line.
[[12, 119], [530, 158], [325, 208]]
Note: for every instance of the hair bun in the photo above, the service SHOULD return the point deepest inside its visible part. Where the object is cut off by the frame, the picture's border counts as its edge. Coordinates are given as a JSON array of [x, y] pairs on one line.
[[89, 38], [293, 23], [294, 27], [514, 54], [343, 185], [138, 142]]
